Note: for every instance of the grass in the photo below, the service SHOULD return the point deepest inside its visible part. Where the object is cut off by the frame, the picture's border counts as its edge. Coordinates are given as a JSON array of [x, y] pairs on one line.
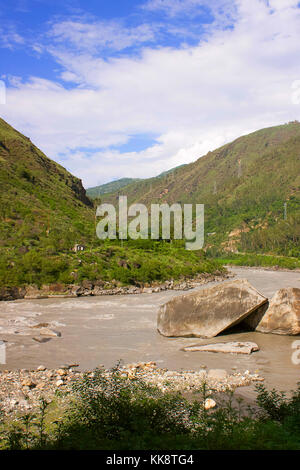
[[115, 412], [253, 259]]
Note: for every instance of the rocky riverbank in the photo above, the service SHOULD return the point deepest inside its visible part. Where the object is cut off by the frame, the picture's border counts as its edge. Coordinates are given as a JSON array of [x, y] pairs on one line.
[[21, 390], [97, 288]]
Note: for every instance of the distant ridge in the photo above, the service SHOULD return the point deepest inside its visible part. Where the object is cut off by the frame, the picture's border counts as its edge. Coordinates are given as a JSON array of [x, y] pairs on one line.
[[116, 185], [110, 187]]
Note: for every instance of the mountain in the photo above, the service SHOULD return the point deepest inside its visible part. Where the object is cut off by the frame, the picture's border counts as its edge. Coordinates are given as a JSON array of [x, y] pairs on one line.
[[110, 187], [116, 185], [44, 211], [40, 202], [165, 173], [250, 188], [244, 186]]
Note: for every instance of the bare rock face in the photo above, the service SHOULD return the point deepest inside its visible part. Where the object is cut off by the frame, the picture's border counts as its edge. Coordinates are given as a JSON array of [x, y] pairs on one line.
[[206, 313], [12, 293], [253, 320], [33, 292], [283, 314], [235, 347]]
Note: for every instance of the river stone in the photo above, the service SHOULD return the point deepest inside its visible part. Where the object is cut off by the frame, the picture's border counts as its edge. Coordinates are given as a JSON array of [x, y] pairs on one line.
[[41, 340], [229, 347], [209, 403], [208, 312], [40, 325], [283, 314], [49, 332]]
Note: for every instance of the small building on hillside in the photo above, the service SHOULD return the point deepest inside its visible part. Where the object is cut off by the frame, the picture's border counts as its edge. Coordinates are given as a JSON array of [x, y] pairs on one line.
[[78, 247]]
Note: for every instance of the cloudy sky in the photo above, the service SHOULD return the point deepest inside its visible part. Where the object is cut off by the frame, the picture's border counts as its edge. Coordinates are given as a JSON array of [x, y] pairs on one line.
[[115, 88]]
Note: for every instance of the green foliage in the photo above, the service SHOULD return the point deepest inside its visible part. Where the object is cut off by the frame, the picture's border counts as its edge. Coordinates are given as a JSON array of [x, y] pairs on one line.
[[112, 411], [280, 408], [44, 211], [40, 202], [113, 261], [251, 259]]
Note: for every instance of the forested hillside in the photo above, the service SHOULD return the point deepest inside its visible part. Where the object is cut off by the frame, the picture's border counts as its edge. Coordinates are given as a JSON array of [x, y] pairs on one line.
[[250, 188]]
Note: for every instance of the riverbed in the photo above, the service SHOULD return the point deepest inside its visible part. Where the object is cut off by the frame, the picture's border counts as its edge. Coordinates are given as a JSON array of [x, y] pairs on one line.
[[102, 330]]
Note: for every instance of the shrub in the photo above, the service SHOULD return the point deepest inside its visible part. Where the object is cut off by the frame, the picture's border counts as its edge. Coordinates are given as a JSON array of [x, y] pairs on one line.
[[112, 411]]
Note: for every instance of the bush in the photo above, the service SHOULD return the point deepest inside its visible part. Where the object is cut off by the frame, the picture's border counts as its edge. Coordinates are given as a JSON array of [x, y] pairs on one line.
[[111, 411]]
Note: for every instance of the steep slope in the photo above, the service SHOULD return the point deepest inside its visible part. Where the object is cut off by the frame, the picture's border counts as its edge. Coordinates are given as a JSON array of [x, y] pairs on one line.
[[244, 186], [40, 202]]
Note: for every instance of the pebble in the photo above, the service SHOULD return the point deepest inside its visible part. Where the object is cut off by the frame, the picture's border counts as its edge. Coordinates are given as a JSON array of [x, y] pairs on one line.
[[41, 340], [28, 383], [209, 403], [41, 385], [49, 332], [15, 385]]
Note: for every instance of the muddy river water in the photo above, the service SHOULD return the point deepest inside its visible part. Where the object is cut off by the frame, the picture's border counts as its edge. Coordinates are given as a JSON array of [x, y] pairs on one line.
[[103, 330]]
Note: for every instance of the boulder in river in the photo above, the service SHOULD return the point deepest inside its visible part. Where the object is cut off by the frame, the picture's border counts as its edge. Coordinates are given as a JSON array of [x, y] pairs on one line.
[[283, 315], [207, 312], [49, 332], [236, 347], [41, 340]]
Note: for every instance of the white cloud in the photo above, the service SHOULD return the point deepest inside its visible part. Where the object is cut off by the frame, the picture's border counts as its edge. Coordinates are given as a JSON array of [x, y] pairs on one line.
[[99, 35], [194, 98], [9, 38], [283, 4], [189, 7]]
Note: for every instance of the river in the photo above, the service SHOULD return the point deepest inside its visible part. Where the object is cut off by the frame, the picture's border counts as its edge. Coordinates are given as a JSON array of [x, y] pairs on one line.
[[102, 330]]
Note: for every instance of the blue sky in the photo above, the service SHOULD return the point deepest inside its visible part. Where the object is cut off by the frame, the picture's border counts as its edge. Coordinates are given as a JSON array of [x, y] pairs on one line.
[[29, 22], [122, 88]]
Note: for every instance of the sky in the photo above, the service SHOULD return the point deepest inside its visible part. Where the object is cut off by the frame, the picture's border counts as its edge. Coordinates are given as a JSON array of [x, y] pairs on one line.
[[127, 88]]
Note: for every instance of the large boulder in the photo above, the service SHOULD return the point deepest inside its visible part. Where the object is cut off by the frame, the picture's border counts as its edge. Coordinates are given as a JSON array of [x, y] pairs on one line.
[[206, 313], [283, 315]]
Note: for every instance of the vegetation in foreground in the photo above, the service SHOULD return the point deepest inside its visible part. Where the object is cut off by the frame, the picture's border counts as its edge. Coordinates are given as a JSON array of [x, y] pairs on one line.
[[113, 412]]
